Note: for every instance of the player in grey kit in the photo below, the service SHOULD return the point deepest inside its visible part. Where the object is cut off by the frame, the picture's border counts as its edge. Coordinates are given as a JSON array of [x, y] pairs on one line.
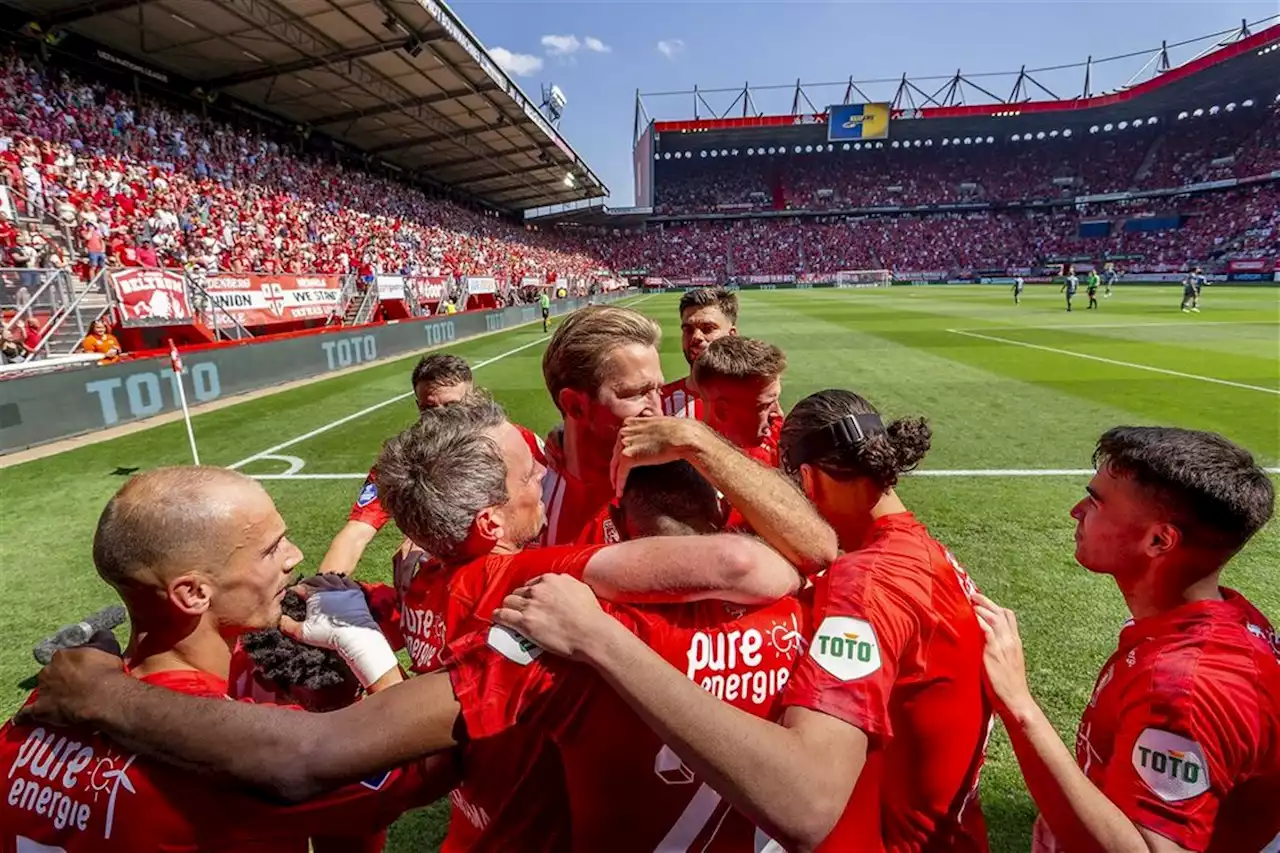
[[1072, 285], [1018, 284], [1191, 290]]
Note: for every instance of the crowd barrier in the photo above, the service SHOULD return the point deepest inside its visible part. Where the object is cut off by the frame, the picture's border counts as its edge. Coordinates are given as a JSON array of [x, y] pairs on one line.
[[51, 406]]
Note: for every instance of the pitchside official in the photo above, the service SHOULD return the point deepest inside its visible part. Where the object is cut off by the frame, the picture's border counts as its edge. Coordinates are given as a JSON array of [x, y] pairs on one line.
[[1179, 747]]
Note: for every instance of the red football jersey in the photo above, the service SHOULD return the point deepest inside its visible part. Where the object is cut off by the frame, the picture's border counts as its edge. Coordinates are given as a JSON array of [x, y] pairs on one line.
[[445, 602], [73, 790], [368, 508], [623, 790], [1183, 730], [898, 653], [679, 401], [571, 504], [601, 530]]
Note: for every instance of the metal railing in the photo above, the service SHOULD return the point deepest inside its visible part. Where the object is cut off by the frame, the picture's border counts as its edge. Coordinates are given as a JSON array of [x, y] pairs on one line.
[[207, 310], [348, 293], [368, 304], [64, 333]]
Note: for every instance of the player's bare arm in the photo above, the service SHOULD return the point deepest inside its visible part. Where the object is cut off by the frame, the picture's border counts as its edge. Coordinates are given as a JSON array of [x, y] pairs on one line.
[[292, 754], [793, 779], [1080, 816], [667, 569], [345, 550], [776, 510]]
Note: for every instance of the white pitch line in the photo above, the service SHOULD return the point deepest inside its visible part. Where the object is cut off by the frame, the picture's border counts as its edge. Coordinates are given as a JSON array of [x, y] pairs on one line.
[[1113, 361], [370, 409], [1064, 328]]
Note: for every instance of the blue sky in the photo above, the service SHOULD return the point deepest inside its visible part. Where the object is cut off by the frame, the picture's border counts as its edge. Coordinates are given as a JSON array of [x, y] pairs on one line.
[[600, 51]]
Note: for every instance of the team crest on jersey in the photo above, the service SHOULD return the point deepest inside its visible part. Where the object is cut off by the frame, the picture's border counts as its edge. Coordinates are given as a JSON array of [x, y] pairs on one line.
[[1173, 766], [368, 494], [846, 647], [611, 535], [512, 645]]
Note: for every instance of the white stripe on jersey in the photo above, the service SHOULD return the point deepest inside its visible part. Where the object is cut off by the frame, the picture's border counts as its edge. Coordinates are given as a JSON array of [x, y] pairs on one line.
[[679, 405], [553, 489]]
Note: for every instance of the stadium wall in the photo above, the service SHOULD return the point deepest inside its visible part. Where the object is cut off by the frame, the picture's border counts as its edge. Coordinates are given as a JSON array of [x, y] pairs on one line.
[[51, 406]]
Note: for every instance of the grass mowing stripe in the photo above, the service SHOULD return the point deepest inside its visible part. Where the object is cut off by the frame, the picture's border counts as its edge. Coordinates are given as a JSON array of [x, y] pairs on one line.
[[1129, 364]]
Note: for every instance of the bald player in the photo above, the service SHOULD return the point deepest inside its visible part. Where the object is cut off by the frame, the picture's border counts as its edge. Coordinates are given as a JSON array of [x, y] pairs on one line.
[[199, 556]]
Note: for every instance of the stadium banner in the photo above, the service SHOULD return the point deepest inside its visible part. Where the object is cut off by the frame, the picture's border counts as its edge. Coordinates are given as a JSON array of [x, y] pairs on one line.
[[479, 284], [427, 288], [50, 406], [390, 287], [847, 122], [1249, 276], [703, 280], [151, 297], [1250, 266], [766, 279], [532, 281], [924, 275], [265, 300]]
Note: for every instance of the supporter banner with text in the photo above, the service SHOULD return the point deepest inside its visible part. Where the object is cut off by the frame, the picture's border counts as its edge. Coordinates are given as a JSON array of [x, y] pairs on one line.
[[1250, 265], [151, 297], [479, 284], [390, 287], [264, 300], [428, 288]]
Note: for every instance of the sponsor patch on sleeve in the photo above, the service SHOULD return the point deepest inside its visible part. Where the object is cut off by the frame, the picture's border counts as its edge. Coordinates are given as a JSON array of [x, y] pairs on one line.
[[512, 645], [376, 781], [846, 647], [368, 494], [1171, 765]]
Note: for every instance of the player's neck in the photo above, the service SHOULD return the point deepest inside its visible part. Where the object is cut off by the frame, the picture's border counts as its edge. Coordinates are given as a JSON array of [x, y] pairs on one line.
[[585, 459], [191, 645], [1147, 596]]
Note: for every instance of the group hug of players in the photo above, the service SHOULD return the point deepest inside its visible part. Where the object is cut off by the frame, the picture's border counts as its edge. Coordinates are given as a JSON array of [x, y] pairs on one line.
[[681, 623]]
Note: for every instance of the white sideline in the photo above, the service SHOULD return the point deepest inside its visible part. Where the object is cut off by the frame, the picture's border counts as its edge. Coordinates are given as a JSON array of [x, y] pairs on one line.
[[360, 414], [941, 472], [1071, 328], [1113, 361]]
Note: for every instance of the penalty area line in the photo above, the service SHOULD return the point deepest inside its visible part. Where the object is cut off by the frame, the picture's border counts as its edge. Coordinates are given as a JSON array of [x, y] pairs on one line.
[[1116, 362]]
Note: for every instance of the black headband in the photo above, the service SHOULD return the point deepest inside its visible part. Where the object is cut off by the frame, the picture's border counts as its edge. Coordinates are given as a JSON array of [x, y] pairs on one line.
[[848, 433]]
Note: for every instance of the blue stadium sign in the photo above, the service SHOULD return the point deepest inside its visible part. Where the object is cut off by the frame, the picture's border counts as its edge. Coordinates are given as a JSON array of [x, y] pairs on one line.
[[846, 122]]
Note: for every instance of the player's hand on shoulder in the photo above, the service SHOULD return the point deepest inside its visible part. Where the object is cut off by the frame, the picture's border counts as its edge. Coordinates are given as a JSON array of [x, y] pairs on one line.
[[72, 685], [559, 613], [1003, 662]]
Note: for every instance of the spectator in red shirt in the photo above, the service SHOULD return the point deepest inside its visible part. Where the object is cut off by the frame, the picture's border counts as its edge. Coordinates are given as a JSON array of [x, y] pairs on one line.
[[1179, 747], [147, 255]]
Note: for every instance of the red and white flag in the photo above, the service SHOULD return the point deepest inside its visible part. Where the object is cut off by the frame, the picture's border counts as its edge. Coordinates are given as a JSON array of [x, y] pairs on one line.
[[175, 360]]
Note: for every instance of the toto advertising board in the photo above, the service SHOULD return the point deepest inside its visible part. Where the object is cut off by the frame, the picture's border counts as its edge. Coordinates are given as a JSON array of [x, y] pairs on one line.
[[73, 401]]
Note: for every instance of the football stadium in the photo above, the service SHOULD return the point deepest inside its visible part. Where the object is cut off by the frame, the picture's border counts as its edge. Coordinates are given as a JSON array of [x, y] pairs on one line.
[[253, 234]]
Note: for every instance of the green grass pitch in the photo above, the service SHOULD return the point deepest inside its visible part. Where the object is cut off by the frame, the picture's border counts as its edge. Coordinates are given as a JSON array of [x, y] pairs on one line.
[[1007, 389]]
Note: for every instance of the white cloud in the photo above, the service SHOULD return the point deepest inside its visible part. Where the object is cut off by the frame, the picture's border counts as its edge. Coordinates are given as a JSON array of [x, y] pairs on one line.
[[561, 45], [519, 64], [595, 45], [670, 47]]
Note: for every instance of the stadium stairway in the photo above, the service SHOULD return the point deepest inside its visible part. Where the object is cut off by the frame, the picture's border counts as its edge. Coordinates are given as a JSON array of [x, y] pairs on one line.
[[1144, 168]]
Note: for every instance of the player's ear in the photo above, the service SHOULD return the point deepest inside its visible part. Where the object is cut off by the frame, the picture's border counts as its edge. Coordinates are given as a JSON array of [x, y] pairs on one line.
[[1162, 539], [809, 482], [191, 593], [572, 402], [488, 524]]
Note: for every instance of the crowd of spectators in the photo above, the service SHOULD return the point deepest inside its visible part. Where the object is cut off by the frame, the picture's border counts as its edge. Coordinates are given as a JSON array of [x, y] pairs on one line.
[[137, 183], [122, 180]]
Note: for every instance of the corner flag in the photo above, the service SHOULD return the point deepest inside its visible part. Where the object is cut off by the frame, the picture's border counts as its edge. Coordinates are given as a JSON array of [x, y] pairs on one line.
[[175, 361]]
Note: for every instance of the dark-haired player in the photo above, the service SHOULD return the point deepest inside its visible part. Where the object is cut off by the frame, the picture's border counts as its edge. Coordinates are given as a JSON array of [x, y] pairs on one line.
[[1070, 286], [1179, 748], [1191, 287], [1091, 288], [706, 314], [438, 379], [1109, 277], [885, 725]]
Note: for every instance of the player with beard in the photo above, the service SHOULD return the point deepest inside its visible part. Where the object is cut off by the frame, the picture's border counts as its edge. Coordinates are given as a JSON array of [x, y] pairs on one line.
[[885, 722], [438, 380], [706, 314], [199, 556], [1179, 747], [739, 382], [470, 488], [601, 367]]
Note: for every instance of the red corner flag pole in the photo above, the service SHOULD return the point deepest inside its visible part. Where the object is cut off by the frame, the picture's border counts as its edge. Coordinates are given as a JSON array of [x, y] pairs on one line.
[[176, 362]]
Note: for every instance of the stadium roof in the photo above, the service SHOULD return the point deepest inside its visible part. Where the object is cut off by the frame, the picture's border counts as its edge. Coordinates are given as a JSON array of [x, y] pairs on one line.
[[403, 80]]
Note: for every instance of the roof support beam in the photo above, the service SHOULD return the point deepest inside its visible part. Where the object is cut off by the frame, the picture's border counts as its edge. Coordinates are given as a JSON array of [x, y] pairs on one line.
[[309, 63], [463, 161], [89, 10], [489, 176], [383, 109]]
